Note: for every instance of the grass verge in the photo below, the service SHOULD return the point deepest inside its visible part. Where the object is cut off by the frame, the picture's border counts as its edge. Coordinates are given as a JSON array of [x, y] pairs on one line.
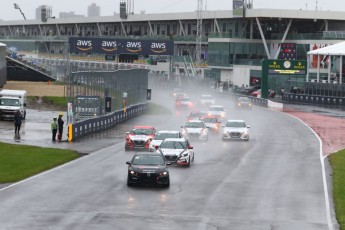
[[154, 109], [337, 161], [18, 162], [58, 101]]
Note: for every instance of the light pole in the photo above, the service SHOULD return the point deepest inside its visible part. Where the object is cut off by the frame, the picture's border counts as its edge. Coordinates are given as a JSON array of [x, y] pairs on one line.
[[16, 6]]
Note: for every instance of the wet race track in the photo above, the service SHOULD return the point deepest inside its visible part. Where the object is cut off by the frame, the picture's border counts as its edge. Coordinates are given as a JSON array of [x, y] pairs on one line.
[[273, 181]]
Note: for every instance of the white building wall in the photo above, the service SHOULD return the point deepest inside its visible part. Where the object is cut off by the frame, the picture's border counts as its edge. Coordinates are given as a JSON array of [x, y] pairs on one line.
[[241, 75]]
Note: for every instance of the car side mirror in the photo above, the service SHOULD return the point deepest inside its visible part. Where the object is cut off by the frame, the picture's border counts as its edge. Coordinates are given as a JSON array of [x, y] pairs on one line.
[[190, 147], [24, 104], [128, 162], [127, 133], [156, 147]]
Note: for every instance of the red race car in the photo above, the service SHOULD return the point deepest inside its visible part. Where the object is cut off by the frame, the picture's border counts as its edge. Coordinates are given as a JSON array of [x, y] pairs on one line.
[[212, 123], [140, 137]]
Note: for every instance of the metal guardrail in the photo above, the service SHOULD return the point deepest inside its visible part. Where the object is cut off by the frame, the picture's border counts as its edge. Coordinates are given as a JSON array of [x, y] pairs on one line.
[[85, 127], [314, 99], [255, 100]]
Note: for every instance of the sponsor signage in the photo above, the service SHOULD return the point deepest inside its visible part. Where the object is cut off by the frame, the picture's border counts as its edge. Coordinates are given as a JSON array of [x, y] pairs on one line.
[[120, 46], [287, 67]]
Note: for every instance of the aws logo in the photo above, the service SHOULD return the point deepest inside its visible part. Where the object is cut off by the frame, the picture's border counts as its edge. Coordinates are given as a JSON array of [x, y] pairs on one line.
[[133, 47], [158, 47], [109, 46], [84, 45]]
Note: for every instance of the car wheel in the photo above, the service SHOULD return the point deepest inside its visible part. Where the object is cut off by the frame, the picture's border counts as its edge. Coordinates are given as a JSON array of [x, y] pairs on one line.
[[168, 184], [129, 184], [126, 148], [188, 165]]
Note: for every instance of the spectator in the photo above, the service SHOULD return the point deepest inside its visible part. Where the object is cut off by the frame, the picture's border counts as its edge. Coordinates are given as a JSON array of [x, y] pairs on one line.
[[54, 127], [60, 126], [17, 123]]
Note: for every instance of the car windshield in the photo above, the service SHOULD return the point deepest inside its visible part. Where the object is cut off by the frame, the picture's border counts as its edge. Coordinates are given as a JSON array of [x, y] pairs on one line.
[[9, 102], [206, 97], [162, 136], [148, 160], [197, 114], [236, 124], [210, 120], [244, 99], [173, 145], [194, 125], [141, 131], [184, 99], [216, 109]]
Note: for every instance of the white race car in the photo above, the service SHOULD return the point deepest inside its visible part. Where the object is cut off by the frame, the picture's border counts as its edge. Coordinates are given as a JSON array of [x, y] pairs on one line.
[[177, 151], [217, 110], [206, 100], [161, 136], [235, 129], [195, 129]]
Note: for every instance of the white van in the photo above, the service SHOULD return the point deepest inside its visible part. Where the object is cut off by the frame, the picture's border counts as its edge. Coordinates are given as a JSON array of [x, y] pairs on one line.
[[10, 102]]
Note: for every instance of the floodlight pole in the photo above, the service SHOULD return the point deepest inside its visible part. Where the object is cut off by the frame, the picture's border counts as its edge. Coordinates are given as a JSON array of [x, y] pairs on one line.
[[16, 6]]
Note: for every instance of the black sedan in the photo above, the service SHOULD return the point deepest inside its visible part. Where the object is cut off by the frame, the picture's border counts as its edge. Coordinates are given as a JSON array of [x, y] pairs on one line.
[[148, 168]]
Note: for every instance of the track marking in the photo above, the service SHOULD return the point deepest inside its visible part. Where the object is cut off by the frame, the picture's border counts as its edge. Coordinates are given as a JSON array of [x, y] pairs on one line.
[[324, 179]]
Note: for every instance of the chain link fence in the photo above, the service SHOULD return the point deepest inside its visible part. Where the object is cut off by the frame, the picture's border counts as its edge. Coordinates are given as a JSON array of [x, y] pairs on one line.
[[96, 93]]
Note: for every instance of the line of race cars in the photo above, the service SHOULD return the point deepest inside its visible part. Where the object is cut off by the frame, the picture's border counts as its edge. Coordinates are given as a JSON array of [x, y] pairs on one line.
[[166, 147]]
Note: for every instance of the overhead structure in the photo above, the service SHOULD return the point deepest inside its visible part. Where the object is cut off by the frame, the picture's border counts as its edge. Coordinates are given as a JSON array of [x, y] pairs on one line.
[[198, 32]]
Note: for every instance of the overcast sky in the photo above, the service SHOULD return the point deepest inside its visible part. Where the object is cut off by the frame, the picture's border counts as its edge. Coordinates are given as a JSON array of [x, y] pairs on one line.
[[108, 7]]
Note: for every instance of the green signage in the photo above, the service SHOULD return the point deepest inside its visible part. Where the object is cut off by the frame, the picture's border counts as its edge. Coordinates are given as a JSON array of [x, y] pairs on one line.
[[284, 67]]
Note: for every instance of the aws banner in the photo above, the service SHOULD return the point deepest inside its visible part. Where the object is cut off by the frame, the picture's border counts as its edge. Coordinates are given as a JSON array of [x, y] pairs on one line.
[[120, 46]]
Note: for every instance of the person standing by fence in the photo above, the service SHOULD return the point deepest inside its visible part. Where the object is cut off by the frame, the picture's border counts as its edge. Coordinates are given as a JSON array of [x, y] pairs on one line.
[[60, 126], [54, 128]]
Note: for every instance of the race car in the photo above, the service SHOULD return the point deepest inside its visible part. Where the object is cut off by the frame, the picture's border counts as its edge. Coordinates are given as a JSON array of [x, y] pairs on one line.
[[140, 137], [206, 100], [212, 123], [177, 151], [235, 129], [183, 102], [161, 136], [243, 103], [148, 168], [195, 115], [195, 129], [216, 110]]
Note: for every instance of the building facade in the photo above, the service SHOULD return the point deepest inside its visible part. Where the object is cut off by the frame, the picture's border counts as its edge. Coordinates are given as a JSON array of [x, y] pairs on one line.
[[233, 46]]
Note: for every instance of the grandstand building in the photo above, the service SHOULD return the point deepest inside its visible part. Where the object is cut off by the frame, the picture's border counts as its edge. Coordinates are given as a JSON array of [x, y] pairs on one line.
[[234, 42]]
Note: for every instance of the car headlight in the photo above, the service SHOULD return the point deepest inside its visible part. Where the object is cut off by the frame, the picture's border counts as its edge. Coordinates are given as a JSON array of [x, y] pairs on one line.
[[223, 114], [163, 173], [203, 132], [184, 154], [134, 173], [226, 134]]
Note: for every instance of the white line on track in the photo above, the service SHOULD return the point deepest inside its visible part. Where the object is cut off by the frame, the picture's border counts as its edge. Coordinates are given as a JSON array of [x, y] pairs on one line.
[[324, 179]]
